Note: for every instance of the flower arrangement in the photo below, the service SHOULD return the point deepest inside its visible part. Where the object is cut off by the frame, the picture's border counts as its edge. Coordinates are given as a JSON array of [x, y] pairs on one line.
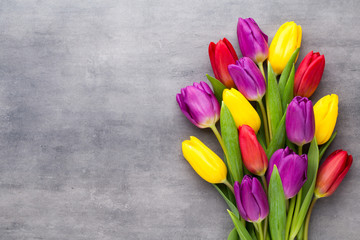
[[268, 182]]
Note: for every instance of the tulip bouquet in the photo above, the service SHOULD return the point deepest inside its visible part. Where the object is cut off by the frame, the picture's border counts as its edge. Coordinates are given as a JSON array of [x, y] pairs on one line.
[[268, 182]]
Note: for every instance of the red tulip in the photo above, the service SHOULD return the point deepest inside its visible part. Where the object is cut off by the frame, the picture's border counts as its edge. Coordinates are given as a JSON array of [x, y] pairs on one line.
[[332, 172], [221, 56], [253, 154], [308, 75]]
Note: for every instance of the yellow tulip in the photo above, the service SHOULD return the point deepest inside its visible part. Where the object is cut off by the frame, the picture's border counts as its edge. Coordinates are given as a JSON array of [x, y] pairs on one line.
[[204, 161], [325, 112], [287, 39], [241, 110]]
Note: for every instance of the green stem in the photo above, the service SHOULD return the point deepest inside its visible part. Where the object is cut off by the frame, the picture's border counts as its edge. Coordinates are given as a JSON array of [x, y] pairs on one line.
[[289, 217], [261, 235], [300, 150], [221, 141], [226, 182], [296, 212], [298, 204], [287, 205], [266, 223], [266, 127], [263, 179], [307, 221], [262, 70], [256, 226]]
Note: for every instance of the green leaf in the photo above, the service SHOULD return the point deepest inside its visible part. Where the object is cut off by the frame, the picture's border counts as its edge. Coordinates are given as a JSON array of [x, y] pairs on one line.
[[313, 164], [286, 72], [288, 93], [278, 139], [308, 188], [230, 136], [277, 214], [227, 200], [233, 235], [261, 133], [240, 228], [273, 101], [327, 144], [218, 87]]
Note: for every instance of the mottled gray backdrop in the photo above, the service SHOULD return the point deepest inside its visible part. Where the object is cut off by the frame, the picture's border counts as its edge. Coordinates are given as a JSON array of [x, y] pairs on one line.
[[90, 131]]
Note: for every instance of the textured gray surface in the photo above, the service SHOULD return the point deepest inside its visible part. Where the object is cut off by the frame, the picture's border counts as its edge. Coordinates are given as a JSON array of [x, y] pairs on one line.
[[91, 132]]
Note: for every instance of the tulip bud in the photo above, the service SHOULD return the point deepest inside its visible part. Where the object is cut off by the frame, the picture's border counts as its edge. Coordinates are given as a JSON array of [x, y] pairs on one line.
[[252, 41], [300, 122], [204, 161], [241, 110], [248, 79], [308, 75], [221, 56], [253, 154], [287, 39], [292, 170], [199, 105], [325, 112], [332, 172], [251, 199]]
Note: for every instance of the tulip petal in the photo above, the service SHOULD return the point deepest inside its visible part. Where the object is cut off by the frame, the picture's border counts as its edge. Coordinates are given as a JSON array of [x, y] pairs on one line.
[[202, 106], [231, 49], [244, 81], [252, 41], [311, 78], [235, 101], [184, 108], [204, 161], [260, 198], [341, 176], [293, 174], [239, 204], [253, 154], [287, 39], [301, 71], [325, 113], [223, 58], [212, 47], [248, 201], [274, 160], [329, 171], [300, 121]]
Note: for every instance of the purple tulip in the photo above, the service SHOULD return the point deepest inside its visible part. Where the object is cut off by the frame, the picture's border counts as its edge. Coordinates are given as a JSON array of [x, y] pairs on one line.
[[251, 199], [300, 121], [252, 41], [292, 170], [248, 79], [199, 104]]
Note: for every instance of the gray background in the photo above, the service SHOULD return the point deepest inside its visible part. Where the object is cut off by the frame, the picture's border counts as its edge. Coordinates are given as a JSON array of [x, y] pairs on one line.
[[90, 143]]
